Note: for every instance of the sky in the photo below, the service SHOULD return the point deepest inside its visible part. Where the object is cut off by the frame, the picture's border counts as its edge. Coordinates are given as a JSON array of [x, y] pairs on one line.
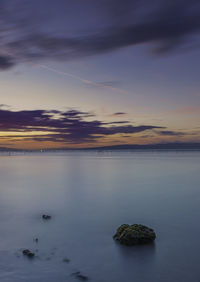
[[86, 73]]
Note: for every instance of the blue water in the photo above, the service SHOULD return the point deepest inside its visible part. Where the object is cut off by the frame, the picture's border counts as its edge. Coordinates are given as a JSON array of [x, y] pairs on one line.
[[89, 194]]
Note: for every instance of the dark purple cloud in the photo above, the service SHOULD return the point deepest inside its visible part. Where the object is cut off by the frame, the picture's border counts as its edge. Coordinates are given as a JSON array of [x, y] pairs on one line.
[[27, 34], [119, 122], [70, 126], [170, 133], [119, 114], [6, 62]]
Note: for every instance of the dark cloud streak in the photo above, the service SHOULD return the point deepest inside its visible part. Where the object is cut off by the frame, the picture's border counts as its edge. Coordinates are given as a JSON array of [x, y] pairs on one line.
[[170, 133], [119, 114], [6, 62], [70, 126], [166, 24]]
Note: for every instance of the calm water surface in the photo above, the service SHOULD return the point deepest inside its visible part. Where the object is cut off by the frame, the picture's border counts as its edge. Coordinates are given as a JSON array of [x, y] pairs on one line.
[[89, 194]]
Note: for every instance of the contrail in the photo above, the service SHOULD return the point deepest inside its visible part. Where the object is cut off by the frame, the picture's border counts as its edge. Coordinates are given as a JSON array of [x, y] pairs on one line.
[[85, 81]]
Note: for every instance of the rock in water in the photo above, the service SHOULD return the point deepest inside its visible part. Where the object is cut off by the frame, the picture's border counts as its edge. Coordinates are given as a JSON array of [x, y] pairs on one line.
[[135, 234], [45, 216], [28, 253], [80, 276]]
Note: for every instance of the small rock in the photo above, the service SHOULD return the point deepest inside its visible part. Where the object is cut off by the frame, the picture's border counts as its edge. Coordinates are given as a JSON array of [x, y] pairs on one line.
[[45, 216], [80, 276], [66, 260], [135, 234], [28, 253]]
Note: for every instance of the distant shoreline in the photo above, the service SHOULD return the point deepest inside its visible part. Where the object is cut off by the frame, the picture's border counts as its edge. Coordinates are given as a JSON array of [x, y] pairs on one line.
[[148, 147]]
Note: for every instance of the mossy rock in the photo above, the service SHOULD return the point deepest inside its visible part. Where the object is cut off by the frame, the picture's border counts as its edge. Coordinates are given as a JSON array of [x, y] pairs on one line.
[[135, 234]]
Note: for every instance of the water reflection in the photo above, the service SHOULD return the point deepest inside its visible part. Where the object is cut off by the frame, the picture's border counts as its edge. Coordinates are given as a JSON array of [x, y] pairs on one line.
[[88, 196], [145, 253]]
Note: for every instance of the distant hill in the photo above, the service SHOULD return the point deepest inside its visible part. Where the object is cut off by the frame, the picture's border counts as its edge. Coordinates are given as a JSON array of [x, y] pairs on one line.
[[160, 146]]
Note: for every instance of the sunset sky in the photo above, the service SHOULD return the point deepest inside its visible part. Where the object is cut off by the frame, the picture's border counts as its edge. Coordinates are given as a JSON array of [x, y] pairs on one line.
[[88, 73]]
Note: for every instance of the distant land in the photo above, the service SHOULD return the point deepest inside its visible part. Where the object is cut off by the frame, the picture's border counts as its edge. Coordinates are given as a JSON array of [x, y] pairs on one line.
[[159, 146]]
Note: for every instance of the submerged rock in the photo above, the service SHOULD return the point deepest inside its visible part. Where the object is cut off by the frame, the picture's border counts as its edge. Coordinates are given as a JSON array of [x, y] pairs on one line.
[[46, 216], [28, 253], [80, 276], [135, 234], [66, 260]]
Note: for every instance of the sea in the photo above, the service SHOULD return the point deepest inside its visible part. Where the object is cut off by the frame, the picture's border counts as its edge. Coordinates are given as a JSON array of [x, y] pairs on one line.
[[88, 195]]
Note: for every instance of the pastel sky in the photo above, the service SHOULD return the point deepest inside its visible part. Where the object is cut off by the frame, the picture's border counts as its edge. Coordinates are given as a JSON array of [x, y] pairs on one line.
[[88, 73]]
